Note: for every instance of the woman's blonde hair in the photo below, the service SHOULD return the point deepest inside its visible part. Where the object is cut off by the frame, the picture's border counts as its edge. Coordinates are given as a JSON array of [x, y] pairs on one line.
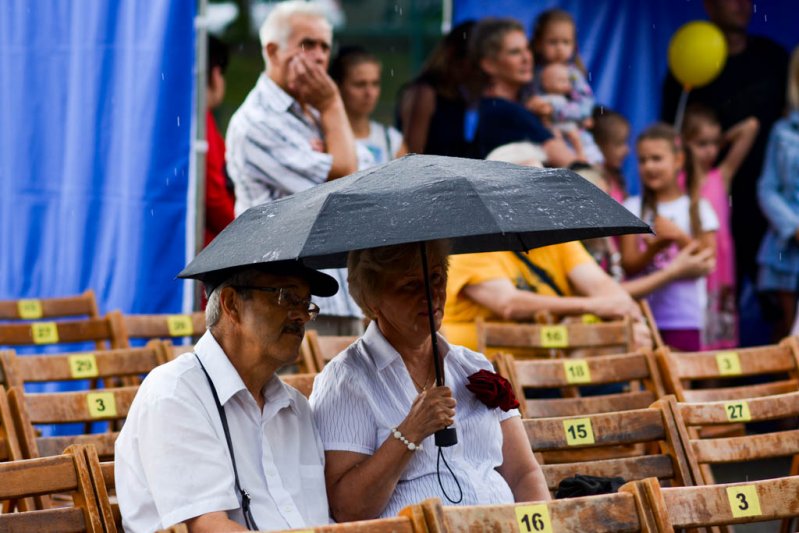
[[369, 268]]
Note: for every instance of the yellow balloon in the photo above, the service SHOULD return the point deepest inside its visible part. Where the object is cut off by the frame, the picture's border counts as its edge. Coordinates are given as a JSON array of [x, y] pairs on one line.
[[697, 53]]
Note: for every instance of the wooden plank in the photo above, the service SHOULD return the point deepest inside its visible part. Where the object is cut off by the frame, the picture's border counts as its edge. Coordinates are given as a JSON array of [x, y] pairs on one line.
[[750, 447], [549, 407], [628, 468], [603, 369], [625, 427]]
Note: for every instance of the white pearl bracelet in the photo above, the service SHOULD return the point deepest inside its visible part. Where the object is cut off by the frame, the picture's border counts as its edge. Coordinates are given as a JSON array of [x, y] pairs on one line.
[[399, 436]]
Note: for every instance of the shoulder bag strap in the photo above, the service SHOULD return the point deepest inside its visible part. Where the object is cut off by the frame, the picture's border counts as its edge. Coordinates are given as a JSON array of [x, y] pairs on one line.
[[542, 274], [249, 521]]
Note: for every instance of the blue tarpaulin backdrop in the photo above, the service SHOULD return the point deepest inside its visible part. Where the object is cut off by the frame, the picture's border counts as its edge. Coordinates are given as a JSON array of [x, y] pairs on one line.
[[624, 44], [96, 103]]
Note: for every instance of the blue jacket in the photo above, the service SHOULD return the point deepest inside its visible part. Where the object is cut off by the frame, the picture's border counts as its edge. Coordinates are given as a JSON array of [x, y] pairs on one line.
[[778, 193]]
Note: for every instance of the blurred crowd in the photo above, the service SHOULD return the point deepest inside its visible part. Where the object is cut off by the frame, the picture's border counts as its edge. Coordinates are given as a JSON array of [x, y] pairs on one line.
[[719, 192]]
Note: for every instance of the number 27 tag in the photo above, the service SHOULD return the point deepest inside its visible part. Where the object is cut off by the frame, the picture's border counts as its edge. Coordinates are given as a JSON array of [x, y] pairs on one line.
[[533, 518]]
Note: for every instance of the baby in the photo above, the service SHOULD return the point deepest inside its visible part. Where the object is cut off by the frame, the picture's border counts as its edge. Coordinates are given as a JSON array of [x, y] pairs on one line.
[[556, 83]]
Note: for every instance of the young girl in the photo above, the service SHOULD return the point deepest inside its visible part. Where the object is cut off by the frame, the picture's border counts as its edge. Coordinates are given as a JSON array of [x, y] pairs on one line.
[[703, 135], [612, 135], [554, 40], [357, 74], [678, 219]]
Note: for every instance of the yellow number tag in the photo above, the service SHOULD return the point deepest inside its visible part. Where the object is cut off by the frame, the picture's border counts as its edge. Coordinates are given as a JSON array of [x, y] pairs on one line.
[[737, 411], [578, 431], [554, 337], [179, 326], [533, 518], [577, 371], [744, 501], [44, 333], [83, 365], [29, 309], [588, 318], [729, 364], [102, 405]]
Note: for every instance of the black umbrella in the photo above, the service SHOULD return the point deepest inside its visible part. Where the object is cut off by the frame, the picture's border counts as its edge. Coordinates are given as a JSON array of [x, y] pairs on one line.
[[480, 206]]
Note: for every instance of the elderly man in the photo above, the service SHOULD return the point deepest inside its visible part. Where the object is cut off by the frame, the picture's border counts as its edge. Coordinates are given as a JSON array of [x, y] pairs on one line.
[[292, 131], [214, 438]]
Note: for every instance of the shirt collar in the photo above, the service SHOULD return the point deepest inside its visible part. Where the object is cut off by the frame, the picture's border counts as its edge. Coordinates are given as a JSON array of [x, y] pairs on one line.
[[383, 353], [273, 96], [227, 380]]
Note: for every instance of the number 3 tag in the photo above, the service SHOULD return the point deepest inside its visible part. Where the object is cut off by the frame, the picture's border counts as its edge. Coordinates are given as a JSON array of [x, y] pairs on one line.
[[101, 405], [744, 501], [533, 518], [729, 364]]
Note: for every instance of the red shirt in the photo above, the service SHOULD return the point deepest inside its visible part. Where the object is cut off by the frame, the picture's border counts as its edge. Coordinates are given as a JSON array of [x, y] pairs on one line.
[[219, 200]]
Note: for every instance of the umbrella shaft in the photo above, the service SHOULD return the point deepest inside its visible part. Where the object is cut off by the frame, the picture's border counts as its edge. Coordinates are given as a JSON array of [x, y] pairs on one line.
[[431, 317]]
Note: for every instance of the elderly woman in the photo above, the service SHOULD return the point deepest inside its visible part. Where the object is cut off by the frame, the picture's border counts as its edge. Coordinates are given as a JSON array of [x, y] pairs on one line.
[[377, 405]]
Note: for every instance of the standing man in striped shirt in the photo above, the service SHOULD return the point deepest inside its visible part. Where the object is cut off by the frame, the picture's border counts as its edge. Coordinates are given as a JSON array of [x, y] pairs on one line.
[[292, 131]]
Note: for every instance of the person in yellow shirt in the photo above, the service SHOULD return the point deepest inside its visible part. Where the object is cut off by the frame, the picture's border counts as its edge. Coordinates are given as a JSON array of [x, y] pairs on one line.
[[513, 286]]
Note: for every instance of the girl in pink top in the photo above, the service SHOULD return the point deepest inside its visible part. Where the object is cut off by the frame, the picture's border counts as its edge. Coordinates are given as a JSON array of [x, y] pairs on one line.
[[702, 133]]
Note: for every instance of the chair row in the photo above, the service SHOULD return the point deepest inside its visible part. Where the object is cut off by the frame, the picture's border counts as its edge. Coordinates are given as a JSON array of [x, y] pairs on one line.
[[644, 505], [646, 376]]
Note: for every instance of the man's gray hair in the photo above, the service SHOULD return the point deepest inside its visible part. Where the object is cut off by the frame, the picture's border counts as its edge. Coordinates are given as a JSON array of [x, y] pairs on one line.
[[369, 269], [213, 309], [277, 26]]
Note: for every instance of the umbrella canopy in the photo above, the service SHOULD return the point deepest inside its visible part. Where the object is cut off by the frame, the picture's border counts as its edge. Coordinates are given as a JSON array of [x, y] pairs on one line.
[[480, 205]]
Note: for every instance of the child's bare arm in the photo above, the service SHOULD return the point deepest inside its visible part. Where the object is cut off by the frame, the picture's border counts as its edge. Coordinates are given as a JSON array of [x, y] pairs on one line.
[[740, 137], [707, 241], [633, 259]]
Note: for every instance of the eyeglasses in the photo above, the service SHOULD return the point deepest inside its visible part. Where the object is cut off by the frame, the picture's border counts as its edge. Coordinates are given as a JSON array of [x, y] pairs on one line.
[[286, 299]]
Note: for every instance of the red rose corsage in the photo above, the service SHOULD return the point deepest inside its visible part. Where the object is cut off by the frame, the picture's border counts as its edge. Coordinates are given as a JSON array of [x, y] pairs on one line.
[[493, 390]]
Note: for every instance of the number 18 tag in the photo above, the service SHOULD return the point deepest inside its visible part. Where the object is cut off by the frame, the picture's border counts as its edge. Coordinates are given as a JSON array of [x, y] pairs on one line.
[[577, 371], [533, 518]]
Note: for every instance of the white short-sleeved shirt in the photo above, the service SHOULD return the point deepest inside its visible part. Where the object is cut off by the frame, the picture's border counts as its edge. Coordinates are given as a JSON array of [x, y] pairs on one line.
[[680, 304], [381, 145], [366, 391], [172, 461]]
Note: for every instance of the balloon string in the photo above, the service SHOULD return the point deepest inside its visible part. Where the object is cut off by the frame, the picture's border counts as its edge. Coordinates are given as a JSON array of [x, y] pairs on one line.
[[681, 108]]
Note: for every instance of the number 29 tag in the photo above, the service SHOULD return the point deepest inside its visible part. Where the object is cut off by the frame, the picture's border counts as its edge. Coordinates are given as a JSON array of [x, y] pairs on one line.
[[533, 518]]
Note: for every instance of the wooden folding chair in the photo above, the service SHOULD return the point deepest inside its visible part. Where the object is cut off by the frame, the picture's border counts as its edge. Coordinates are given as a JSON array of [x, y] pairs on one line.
[[31, 479], [709, 451], [81, 305], [637, 371], [160, 326], [411, 519], [598, 514], [588, 444], [318, 350], [301, 382], [9, 442], [649, 318], [130, 363], [101, 331], [719, 505], [28, 410], [683, 371], [542, 340]]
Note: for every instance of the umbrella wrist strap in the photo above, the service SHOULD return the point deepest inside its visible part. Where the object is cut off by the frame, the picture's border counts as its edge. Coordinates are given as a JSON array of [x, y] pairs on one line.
[[542, 274], [249, 521], [454, 478]]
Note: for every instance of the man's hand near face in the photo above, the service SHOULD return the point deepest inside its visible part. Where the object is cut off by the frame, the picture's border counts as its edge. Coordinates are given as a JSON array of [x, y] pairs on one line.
[[310, 84]]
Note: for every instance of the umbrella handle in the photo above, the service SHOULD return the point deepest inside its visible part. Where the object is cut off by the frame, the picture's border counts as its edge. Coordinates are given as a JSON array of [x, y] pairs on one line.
[[447, 436]]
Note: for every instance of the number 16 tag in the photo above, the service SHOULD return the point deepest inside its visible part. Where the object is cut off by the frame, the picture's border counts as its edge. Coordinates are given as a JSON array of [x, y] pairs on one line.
[[533, 518]]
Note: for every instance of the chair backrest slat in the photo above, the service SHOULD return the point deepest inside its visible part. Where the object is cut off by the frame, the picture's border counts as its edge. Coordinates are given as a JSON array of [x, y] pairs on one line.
[[539, 408], [160, 326], [301, 382], [43, 308], [98, 330], [624, 427], [628, 468]]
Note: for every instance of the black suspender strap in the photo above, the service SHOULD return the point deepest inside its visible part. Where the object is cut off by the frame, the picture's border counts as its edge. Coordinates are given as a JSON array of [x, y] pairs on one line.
[[542, 274], [249, 521]]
